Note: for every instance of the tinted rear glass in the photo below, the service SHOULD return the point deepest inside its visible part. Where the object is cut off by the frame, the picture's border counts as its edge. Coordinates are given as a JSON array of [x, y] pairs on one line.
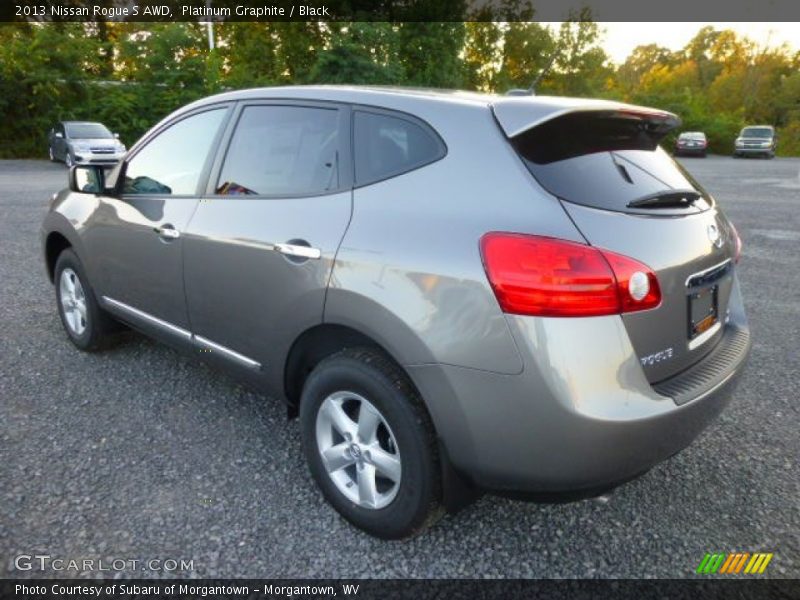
[[602, 162], [391, 145]]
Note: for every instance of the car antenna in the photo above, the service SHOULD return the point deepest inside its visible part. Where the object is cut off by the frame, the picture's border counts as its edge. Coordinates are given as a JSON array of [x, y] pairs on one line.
[[531, 91]]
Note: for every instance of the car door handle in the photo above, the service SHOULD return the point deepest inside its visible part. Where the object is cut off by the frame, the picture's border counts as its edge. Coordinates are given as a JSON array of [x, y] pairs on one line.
[[167, 232], [298, 250]]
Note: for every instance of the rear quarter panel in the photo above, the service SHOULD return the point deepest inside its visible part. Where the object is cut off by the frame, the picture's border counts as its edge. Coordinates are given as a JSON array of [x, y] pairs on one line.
[[409, 271]]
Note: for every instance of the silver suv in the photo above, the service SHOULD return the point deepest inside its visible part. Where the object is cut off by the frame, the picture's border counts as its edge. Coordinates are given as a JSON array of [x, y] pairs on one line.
[[455, 292]]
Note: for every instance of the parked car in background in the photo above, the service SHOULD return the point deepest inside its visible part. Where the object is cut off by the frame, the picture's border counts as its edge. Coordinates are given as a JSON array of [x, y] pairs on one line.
[[84, 142], [756, 140], [691, 143], [453, 291]]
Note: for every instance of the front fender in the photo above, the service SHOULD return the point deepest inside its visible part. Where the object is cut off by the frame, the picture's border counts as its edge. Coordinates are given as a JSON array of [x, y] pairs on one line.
[[66, 217]]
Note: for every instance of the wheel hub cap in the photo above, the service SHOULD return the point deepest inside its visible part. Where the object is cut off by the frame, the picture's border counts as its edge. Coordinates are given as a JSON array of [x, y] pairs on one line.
[[358, 450]]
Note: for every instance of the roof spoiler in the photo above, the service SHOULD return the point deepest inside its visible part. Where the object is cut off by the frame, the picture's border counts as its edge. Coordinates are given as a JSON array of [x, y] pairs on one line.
[[517, 115]]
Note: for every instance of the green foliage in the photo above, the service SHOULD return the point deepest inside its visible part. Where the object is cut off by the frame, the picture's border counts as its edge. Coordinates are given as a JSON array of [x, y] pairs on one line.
[[719, 83], [130, 75], [360, 53]]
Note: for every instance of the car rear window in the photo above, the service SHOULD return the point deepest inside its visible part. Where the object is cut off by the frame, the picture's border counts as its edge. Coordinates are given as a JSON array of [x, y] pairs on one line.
[[602, 160], [388, 145]]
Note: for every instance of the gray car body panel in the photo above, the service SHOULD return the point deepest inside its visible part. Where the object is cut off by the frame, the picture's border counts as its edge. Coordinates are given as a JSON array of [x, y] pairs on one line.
[[581, 415], [400, 263], [675, 248]]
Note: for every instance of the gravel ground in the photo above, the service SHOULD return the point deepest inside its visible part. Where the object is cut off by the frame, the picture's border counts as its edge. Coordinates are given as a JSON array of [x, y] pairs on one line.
[[140, 453]]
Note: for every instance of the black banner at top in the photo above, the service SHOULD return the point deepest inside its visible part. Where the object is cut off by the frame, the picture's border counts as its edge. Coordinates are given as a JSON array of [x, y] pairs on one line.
[[399, 10]]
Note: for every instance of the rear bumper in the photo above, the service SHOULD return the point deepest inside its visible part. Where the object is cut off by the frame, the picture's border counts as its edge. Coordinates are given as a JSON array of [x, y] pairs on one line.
[[580, 416], [690, 151]]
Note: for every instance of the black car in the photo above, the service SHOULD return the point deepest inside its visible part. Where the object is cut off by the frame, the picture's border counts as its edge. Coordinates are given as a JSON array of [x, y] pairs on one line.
[[691, 143], [84, 142]]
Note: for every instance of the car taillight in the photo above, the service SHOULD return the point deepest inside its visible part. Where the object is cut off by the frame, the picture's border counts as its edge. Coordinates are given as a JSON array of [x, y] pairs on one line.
[[737, 242], [533, 275]]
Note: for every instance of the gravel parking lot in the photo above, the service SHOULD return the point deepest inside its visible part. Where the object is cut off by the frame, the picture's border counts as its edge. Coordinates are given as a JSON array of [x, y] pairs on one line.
[[140, 453]]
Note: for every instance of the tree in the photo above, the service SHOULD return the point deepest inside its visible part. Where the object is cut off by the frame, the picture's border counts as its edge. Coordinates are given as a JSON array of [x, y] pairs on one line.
[[641, 61], [581, 67], [429, 53], [360, 53], [527, 50]]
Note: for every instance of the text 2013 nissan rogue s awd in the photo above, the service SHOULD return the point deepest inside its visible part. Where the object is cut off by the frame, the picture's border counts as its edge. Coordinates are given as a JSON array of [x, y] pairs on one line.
[[454, 291]]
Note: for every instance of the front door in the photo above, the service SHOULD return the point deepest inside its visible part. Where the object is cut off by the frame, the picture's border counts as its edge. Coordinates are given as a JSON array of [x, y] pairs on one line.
[[135, 240], [260, 248]]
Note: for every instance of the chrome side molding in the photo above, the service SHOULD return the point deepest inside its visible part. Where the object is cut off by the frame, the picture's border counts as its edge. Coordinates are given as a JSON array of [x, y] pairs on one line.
[[135, 312], [227, 352], [200, 341]]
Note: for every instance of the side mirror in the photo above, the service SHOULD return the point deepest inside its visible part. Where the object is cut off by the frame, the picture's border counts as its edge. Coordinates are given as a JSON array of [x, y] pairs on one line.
[[59, 134], [116, 135], [87, 179]]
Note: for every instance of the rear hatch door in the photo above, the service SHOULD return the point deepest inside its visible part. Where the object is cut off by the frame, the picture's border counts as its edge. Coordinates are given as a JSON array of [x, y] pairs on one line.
[[625, 194]]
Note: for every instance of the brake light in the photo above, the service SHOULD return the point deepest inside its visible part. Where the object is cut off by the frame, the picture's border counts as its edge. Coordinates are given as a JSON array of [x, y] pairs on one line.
[[533, 275], [737, 243]]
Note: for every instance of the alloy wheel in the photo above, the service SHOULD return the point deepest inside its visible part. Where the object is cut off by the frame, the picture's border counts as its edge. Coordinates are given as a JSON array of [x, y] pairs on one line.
[[358, 449], [73, 302]]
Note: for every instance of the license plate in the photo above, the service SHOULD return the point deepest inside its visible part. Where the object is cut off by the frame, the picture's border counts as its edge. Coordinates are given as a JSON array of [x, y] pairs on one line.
[[703, 313]]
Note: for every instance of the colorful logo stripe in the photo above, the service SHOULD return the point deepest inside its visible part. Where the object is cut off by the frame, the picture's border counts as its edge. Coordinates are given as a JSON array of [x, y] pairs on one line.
[[734, 563]]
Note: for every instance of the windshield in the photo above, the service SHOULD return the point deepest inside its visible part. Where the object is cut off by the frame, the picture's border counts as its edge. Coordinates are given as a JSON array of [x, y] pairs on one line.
[[82, 131], [692, 135], [757, 132]]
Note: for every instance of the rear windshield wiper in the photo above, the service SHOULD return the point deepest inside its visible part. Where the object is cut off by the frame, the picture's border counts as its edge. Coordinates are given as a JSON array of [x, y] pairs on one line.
[[668, 199]]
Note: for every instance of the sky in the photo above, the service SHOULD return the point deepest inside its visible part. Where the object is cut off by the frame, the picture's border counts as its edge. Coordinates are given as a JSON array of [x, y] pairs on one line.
[[621, 38]]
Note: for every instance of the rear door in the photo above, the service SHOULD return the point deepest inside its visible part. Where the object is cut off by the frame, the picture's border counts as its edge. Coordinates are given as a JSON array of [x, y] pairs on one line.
[[260, 247], [625, 194]]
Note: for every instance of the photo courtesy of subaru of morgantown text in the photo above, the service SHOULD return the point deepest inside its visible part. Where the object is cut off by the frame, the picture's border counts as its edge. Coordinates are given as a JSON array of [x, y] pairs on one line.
[[454, 292]]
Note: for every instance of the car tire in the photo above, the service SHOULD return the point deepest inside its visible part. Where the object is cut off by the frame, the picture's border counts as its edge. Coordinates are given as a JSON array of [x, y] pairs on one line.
[[87, 325], [68, 159], [395, 427], [50, 154]]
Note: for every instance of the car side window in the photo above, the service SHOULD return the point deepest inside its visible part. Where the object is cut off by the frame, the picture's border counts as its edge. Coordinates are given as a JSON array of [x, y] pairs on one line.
[[387, 145], [282, 151], [171, 163]]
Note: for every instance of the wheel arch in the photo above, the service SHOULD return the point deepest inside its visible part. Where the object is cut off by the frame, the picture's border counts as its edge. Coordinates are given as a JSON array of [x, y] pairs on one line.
[[55, 243], [317, 343]]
